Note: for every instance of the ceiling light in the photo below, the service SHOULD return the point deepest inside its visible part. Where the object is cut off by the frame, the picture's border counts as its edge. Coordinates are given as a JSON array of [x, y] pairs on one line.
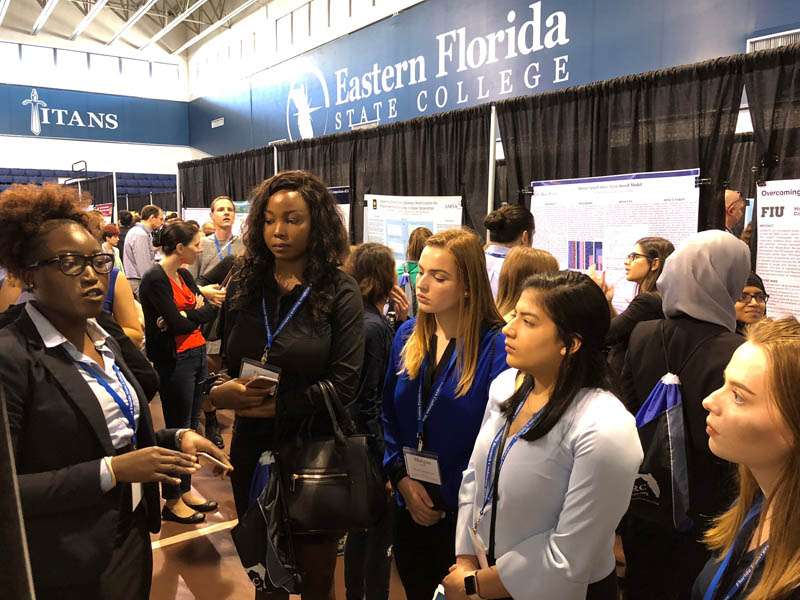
[[215, 26], [175, 22], [43, 16], [98, 6], [130, 23]]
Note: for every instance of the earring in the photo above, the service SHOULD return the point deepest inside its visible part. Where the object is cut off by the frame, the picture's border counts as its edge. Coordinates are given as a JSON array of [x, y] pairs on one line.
[[564, 351]]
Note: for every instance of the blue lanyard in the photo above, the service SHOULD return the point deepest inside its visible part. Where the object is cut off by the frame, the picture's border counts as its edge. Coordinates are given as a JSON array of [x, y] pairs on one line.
[[271, 336], [126, 406], [219, 250], [744, 576], [488, 480], [421, 418], [495, 254]]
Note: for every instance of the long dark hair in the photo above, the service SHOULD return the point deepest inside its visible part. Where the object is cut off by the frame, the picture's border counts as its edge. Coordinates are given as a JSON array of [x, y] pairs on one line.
[[327, 242], [580, 311], [654, 248]]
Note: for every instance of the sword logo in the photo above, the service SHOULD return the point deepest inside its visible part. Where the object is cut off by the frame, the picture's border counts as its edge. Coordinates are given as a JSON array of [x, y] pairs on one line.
[[36, 123]]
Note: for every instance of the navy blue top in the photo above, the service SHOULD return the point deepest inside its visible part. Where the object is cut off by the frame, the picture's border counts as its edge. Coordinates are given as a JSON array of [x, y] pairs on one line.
[[453, 424]]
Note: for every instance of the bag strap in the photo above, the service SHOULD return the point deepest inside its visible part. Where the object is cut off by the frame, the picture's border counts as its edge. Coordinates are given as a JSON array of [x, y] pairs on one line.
[[691, 353], [338, 416]]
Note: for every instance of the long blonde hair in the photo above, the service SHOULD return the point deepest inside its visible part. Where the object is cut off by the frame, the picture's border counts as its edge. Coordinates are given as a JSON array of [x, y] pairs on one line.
[[520, 263], [476, 310], [780, 341]]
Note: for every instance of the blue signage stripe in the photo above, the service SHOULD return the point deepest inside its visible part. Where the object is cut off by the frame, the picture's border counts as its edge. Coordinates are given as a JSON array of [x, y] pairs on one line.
[[628, 177]]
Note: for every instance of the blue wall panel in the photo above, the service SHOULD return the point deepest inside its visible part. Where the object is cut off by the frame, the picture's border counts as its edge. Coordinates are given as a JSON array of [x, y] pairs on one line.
[[589, 40]]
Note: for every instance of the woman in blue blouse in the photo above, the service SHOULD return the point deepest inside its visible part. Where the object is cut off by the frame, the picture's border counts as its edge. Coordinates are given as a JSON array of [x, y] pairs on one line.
[[555, 460], [434, 397]]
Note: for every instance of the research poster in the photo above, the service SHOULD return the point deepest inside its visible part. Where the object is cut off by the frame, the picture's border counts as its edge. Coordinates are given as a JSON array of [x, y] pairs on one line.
[[390, 219], [597, 220], [342, 196], [778, 259]]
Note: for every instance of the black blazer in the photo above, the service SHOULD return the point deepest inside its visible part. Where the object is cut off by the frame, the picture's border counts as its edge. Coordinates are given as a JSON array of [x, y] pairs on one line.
[[155, 294], [711, 480], [59, 437]]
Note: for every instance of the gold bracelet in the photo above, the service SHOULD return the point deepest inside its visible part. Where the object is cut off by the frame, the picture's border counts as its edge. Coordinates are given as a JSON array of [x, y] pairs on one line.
[[179, 438], [110, 470]]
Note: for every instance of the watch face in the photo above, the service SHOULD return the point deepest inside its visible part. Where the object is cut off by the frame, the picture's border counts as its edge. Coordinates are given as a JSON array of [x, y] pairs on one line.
[[469, 585]]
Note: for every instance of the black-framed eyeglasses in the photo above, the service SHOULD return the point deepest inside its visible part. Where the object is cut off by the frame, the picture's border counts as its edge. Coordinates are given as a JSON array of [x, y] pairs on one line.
[[760, 298], [75, 264], [634, 255]]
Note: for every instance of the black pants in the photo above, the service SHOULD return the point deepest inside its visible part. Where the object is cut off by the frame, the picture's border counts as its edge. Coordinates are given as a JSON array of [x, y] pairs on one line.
[[660, 564], [368, 559], [423, 554]]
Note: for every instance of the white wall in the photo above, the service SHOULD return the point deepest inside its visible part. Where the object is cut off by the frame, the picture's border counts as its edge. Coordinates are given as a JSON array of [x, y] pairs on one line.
[[47, 153], [277, 32]]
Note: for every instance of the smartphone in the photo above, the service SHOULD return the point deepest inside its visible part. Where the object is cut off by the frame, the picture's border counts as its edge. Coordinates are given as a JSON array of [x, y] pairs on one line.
[[206, 460], [439, 593], [261, 382]]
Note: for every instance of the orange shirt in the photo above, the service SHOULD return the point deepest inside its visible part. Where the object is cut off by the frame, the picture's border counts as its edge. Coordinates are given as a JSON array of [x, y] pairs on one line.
[[185, 300]]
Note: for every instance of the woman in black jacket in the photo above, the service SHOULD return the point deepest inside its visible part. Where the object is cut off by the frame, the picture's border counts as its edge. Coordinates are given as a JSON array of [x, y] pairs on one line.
[[83, 440], [171, 300], [288, 283]]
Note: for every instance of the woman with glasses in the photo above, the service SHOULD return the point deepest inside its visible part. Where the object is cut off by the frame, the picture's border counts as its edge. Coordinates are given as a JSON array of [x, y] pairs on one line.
[[752, 306], [173, 309], [642, 267], [85, 451]]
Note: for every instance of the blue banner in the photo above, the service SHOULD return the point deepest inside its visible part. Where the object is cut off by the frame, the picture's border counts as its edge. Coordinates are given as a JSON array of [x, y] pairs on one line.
[[51, 113]]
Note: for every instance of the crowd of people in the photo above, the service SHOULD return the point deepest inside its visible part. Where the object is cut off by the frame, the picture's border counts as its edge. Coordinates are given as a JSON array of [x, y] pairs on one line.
[[503, 396]]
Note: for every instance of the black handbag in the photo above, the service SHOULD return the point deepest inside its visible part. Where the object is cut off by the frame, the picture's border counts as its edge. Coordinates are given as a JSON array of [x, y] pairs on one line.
[[332, 484]]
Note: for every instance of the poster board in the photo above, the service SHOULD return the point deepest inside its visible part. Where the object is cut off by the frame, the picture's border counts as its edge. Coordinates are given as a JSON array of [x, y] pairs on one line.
[[597, 220], [778, 258], [342, 194], [389, 220]]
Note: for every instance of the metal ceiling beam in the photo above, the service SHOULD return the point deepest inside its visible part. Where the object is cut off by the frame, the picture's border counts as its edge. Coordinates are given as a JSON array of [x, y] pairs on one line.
[[98, 6], [215, 26], [132, 21], [43, 16], [175, 22], [3, 8]]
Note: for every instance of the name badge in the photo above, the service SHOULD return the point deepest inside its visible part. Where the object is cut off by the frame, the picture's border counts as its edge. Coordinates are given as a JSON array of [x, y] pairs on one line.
[[260, 374], [422, 466], [136, 495]]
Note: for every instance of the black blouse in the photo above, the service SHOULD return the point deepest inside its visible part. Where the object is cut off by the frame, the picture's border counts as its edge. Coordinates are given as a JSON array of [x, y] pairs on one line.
[[307, 350]]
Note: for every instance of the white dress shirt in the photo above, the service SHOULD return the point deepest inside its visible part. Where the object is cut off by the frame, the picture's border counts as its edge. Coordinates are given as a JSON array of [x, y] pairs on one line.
[[560, 497], [118, 426], [495, 255]]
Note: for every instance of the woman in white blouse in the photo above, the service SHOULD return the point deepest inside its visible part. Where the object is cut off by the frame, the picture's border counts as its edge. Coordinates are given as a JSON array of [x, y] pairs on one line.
[[569, 455]]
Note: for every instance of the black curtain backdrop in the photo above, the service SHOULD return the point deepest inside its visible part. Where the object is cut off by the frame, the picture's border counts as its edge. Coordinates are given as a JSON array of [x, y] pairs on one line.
[[101, 189], [772, 82], [167, 201], [677, 118], [331, 158], [233, 175], [741, 176], [440, 155]]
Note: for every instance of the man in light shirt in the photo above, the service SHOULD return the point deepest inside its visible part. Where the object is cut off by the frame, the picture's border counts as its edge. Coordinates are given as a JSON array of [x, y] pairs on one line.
[[139, 253]]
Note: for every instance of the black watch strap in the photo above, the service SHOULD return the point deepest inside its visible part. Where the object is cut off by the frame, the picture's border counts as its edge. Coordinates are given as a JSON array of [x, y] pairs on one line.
[[471, 585]]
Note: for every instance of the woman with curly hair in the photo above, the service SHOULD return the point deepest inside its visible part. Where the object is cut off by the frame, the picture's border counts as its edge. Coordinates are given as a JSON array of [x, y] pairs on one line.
[[86, 455], [289, 305]]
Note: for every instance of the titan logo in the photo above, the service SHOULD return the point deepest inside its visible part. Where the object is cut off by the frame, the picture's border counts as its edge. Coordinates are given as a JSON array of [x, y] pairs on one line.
[[308, 94], [42, 115]]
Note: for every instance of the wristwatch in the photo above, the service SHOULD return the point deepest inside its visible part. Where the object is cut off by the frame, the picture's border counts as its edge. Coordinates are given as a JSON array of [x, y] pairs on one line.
[[471, 585]]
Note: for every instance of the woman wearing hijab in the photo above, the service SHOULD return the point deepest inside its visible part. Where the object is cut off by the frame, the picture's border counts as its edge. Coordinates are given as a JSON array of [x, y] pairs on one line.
[[700, 283], [751, 307]]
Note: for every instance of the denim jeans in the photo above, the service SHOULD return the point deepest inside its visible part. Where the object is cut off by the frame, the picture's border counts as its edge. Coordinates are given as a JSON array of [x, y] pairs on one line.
[[182, 400]]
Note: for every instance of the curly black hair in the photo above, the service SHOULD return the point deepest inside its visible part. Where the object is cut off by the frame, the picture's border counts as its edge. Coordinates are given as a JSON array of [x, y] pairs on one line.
[[27, 212], [327, 243]]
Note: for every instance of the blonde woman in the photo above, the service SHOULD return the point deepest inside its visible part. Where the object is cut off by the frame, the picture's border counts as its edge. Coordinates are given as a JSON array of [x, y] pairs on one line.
[[754, 420], [434, 397], [521, 262]]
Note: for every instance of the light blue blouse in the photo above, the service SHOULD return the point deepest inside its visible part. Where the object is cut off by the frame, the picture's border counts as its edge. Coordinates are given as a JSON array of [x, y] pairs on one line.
[[560, 497]]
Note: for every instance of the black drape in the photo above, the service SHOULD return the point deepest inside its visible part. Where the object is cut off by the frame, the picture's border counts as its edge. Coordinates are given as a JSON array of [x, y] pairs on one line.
[[741, 176], [101, 189], [331, 158], [671, 119], [166, 201], [772, 81], [233, 175], [440, 155]]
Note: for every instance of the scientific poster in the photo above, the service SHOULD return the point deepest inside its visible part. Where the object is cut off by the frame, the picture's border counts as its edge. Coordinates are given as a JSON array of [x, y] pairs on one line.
[[597, 220], [389, 219], [342, 196], [778, 259]]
